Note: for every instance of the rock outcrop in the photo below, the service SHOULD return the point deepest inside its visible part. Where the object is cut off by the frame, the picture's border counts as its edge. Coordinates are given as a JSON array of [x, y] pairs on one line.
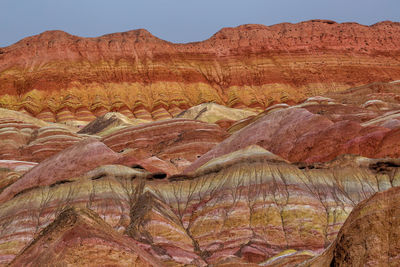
[[70, 162], [212, 113], [139, 75], [80, 237], [25, 138], [298, 135], [109, 123], [370, 235], [247, 207], [179, 141]]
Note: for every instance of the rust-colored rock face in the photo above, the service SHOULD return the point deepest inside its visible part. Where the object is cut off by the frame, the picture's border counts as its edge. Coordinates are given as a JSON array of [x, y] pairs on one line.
[[141, 76]]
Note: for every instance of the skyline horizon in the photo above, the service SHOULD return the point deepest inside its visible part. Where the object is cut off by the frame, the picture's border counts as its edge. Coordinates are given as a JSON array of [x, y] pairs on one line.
[[196, 41], [174, 20]]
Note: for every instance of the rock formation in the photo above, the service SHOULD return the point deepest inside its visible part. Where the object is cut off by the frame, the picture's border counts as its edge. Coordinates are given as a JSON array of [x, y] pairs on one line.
[[77, 233], [109, 123], [213, 113], [247, 206], [247, 149], [179, 141], [73, 161], [313, 132], [141, 76], [29, 142], [369, 236]]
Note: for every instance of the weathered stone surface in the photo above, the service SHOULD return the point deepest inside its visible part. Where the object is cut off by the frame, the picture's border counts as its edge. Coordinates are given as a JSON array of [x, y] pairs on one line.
[[247, 206], [109, 123], [288, 257], [211, 113], [231, 188], [388, 93], [48, 141], [12, 170], [247, 66], [179, 141], [244, 206], [30, 139], [298, 135], [71, 162], [370, 235], [80, 237], [11, 115], [16, 165], [246, 154]]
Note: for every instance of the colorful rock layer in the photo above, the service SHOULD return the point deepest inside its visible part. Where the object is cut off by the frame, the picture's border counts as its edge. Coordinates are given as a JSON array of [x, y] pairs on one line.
[[270, 189], [369, 236], [56, 76], [199, 163], [248, 210]]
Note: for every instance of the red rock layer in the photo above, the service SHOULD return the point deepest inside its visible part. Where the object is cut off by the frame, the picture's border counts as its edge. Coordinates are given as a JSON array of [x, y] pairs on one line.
[[179, 141], [250, 65], [152, 164], [301, 136], [79, 237], [13, 135], [28, 142], [71, 162]]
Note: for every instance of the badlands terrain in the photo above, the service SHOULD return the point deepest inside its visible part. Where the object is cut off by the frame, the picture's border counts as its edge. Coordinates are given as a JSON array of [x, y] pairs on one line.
[[261, 146]]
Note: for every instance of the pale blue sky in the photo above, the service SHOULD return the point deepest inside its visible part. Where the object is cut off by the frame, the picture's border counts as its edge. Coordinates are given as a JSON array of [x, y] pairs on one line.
[[177, 20]]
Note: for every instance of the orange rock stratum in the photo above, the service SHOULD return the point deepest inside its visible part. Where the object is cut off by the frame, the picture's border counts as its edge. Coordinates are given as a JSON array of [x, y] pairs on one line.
[[57, 76]]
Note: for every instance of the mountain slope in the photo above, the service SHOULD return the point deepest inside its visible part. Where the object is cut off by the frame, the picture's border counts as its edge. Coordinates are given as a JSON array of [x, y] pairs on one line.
[[136, 73], [79, 237]]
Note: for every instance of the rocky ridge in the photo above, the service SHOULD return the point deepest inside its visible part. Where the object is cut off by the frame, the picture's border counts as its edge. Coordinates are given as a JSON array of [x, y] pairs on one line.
[[56, 76], [77, 233]]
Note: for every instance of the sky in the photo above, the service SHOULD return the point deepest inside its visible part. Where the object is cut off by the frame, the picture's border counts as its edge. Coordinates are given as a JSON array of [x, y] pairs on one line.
[[177, 21]]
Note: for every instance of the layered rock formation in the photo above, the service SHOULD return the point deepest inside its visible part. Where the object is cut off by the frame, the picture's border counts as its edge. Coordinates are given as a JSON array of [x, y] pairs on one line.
[[159, 181], [109, 123], [29, 142], [73, 161], [369, 237], [246, 207], [214, 113], [242, 205], [77, 233], [179, 141], [313, 132], [57, 76]]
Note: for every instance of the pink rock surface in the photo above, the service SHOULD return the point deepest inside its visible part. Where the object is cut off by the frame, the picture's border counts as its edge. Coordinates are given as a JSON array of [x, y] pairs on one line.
[[301, 136], [70, 162], [179, 141]]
